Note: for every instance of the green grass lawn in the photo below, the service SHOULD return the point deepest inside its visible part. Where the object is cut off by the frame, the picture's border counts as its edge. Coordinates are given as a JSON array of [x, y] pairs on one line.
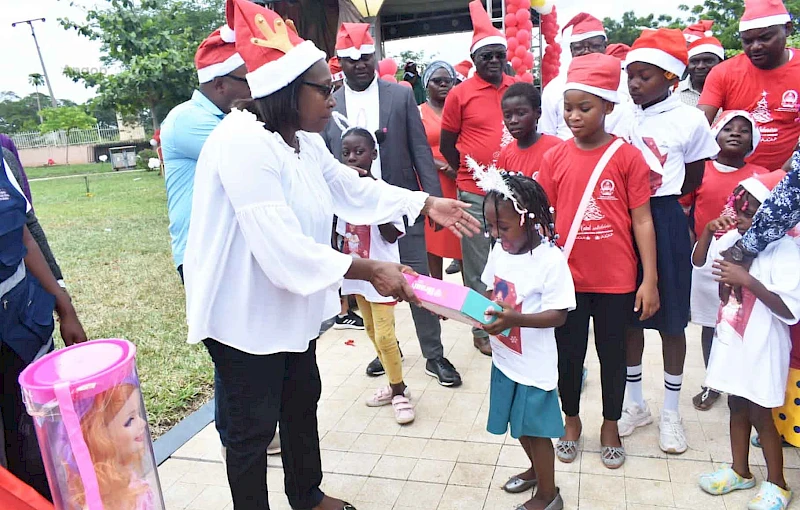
[[62, 170], [114, 250]]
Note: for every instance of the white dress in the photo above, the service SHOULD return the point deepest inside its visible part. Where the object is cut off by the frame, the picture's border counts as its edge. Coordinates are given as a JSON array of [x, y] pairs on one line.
[[260, 271]]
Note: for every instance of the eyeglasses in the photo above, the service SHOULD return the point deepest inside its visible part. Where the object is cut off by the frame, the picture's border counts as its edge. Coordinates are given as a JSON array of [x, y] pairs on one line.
[[236, 78], [490, 55], [325, 89], [587, 47], [441, 82]]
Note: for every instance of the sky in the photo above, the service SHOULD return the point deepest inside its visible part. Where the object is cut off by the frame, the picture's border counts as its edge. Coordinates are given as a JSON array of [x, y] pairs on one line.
[[62, 48]]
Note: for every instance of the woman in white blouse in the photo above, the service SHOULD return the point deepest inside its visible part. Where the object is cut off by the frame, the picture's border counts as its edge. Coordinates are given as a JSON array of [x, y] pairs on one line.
[[260, 273]]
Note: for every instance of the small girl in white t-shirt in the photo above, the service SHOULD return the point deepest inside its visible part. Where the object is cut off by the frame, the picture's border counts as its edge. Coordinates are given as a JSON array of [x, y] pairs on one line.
[[529, 276], [376, 242], [750, 353]]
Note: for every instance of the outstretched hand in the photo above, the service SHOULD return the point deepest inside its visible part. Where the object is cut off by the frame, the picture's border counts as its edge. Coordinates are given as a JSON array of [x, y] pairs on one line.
[[452, 214], [388, 280]]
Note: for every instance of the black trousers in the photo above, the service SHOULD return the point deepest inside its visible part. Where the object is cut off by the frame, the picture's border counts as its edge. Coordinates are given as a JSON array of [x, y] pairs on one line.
[[21, 446], [611, 314], [260, 392]]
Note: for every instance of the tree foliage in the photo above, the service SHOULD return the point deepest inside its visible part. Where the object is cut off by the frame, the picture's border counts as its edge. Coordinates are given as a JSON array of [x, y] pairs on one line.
[[627, 29], [152, 43], [21, 114], [66, 118]]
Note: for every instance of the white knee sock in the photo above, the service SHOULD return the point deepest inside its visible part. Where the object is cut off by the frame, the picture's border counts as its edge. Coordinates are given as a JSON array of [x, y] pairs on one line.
[[633, 386], [672, 391]]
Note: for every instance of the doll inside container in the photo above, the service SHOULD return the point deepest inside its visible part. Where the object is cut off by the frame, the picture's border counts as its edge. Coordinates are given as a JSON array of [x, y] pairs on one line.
[[115, 431]]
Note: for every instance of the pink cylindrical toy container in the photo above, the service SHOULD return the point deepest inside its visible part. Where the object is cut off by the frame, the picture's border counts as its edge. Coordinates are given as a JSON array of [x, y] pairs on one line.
[[92, 427]]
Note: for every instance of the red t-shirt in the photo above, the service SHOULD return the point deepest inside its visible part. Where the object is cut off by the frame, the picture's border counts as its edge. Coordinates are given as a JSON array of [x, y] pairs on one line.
[[527, 161], [605, 234], [473, 111], [710, 198], [771, 97]]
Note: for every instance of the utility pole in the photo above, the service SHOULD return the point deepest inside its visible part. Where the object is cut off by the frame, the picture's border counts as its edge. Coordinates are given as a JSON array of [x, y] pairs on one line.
[[39, 51]]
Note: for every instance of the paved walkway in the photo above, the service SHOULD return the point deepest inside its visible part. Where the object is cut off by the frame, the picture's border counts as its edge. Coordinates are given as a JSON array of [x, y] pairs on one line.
[[446, 460]]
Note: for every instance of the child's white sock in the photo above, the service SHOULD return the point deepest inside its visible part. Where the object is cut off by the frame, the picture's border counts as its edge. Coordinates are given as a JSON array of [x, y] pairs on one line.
[[633, 386], [672, 391]]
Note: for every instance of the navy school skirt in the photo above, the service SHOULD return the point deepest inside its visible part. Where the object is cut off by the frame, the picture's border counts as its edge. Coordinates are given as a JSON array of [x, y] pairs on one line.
[[674, 254]]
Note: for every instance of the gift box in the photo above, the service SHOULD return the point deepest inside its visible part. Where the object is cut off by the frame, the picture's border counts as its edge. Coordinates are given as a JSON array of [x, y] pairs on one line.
[[89, 415], [453, 301]]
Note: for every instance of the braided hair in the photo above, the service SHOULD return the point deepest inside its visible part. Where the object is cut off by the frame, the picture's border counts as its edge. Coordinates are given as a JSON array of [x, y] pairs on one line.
[[530, 196], [363, 133]]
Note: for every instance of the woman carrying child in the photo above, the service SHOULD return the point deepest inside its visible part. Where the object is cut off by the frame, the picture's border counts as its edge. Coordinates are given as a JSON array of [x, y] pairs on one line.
[[737, 136], [529, 277], [750, 354], [598, 185]]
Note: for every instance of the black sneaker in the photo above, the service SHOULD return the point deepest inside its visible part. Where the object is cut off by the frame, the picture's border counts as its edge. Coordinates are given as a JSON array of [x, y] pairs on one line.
[[454, 267], [375, 367], [443, 371], [349, 321]]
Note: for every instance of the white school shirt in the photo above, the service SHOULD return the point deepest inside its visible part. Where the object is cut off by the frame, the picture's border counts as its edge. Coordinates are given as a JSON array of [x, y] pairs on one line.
[[366, 242], [532, 282], [552, 120], [671, 134], [364, 110], [750, 354], [261, 274]]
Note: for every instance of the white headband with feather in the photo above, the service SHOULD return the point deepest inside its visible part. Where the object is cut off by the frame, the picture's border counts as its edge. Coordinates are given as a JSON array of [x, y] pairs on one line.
[[346, 125], [490, 179]]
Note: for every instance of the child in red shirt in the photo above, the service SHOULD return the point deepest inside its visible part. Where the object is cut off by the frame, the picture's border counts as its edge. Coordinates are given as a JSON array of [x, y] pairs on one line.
[[612, 203], [522, 107], [738, 137]]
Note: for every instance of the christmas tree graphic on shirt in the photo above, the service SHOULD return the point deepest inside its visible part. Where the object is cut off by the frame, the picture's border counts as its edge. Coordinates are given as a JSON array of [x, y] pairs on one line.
[[761, 112]]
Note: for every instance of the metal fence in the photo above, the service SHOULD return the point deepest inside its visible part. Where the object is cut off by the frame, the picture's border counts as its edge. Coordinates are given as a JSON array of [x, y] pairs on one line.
[[34, 139]]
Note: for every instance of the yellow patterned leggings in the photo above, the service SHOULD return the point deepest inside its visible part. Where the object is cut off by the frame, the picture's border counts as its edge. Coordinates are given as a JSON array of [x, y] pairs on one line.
[[379, 323]]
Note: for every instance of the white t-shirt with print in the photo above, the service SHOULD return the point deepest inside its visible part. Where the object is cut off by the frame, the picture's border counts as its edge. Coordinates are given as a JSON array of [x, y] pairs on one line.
[[366, 242], [671, 134], [531, 282], [750, 353]]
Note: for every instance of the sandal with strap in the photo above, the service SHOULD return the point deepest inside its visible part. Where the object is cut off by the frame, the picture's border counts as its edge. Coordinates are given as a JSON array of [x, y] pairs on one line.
[[704, 400], [567, 451], [403, 410], [613, 457]]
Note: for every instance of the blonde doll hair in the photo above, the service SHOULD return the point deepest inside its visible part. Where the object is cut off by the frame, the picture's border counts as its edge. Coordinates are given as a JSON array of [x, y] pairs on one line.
[[115, 475]]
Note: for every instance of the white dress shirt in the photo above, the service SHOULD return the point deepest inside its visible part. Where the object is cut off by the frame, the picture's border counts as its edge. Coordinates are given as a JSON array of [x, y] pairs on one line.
[[363, 110], [260, 271]]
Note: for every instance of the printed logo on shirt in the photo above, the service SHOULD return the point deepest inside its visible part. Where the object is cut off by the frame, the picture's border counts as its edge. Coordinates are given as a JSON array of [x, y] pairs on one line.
[[505, 140], [607, 189], [356, 241], [733, 317], [761, 112], [4, 195], [506, 292], [593, 228], [789, 101]]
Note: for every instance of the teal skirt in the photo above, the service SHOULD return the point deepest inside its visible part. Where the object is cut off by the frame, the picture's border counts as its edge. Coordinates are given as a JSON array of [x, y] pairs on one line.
[[530, 411]]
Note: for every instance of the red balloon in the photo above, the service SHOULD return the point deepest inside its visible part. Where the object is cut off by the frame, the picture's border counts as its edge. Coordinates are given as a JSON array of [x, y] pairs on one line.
[[513, 44], [524, 36], [516, 63], [528, 60], [523, 15], [524, 4], [389, 77], [527, 78], [511, 32], [405, 84], [387, 66], [511, 20], [526, 25], [521, 51]]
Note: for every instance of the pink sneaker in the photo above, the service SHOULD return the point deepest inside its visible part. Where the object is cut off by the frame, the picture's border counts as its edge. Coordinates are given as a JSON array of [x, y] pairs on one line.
[[403, 410], [383, 397]]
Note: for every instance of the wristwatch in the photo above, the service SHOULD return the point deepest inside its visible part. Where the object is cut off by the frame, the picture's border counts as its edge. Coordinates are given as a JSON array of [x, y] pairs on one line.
[[739, 254]]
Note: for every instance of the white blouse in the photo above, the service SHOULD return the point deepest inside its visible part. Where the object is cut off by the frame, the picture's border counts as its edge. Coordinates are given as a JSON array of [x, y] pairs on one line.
[[260, 272]]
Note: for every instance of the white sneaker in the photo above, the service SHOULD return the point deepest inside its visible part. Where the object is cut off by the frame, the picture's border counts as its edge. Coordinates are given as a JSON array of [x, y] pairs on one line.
[[632, 418], [672, 438]]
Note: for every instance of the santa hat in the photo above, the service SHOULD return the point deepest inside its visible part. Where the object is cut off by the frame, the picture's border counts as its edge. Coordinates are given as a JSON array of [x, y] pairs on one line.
[[595, 73], [336, 69], [699, 30], [483, 32], [353, 41], [728, 116], [274, 54], [664, 48], [763, 14], [216, 56], [707, 45], [584, 26], [618, 50], [462, 69], [761, 185]]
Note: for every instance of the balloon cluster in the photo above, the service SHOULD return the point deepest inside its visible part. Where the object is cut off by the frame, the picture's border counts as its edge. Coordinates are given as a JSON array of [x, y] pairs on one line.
[[387, 70], [518, 34], [551, 61]]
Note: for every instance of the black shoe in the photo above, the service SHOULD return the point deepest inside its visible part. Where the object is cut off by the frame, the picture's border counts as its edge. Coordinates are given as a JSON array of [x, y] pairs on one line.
[[454, 267], [349, 321], [375, 367], [443, 371]]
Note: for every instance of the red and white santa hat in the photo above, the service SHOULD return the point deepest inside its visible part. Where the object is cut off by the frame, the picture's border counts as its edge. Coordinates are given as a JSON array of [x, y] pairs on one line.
[[354, 40], [727, 116], [761, 185], [664, 48], [618, 50], [698, 30], [597, 74], [483, 32], [763, 14], [707, 45], [584, 26], [336, 69], [274, 54], [463, 69], [216, 56]]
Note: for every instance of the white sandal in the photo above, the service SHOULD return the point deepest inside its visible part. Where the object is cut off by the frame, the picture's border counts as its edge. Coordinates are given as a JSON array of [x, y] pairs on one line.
[[403, 410]]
